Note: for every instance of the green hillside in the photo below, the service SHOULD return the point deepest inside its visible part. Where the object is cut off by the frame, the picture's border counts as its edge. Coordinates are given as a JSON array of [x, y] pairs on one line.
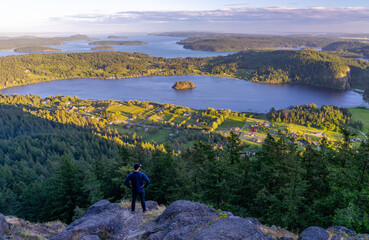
[[59, 155], [299, 67]]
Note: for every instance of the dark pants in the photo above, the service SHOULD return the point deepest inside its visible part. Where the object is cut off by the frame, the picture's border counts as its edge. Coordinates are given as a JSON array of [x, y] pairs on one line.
[[142, 198]]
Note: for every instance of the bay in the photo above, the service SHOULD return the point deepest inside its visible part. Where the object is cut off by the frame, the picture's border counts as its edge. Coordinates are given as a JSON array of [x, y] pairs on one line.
[[158, 46], [215, 92]]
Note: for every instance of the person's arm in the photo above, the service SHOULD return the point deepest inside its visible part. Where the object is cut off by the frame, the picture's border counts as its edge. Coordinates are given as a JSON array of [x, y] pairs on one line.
[[147, 180], [126, 182]]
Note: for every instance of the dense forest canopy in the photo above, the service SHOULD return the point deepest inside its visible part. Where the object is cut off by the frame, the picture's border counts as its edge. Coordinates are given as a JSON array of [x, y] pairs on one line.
[[248, 42], [327, 117], [55, 163], [358, 49]]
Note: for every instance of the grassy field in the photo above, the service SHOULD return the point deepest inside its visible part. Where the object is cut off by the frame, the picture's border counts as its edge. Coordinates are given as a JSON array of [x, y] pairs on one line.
[[160, 136], [361, 115], [232, 122]]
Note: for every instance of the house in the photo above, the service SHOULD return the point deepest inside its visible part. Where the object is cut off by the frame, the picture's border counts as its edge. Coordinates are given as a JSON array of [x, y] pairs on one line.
[[73, 108]]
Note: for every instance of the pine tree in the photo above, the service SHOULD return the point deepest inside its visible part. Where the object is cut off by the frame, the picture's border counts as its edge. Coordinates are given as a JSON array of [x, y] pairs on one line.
[[66, 190]]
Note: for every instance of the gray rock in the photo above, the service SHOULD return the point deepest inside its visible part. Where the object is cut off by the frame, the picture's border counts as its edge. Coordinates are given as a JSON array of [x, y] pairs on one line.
[[4, 225], [363, 236], [191, 220], [151, 205], [229, 229], [103, 219], [314, 233], [90, 237], [97, 207], [341, 232]]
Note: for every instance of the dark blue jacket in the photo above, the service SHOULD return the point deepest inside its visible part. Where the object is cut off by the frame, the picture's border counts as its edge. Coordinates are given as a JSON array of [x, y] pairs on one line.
[[137, 179]]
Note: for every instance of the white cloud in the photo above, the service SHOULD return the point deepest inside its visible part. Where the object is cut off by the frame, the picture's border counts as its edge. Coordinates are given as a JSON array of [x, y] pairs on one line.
[[231, 19]]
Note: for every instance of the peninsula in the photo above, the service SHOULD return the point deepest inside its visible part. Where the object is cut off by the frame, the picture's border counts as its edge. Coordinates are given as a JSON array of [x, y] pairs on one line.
[[36, 49], [116, 37], [118, 43], [183, 85], [100, 48], [19, 42]]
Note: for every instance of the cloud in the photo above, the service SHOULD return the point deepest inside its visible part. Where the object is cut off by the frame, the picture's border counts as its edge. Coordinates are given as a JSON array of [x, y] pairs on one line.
[[234, 17]]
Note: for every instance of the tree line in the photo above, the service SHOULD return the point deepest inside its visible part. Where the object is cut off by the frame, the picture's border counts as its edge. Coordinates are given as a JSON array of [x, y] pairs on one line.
[[327, 117]]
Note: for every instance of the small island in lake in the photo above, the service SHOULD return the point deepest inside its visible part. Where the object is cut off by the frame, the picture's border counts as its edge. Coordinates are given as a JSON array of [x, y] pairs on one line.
[[102, 48], [116, 37], [118, 43], [36, 49], [182, 85]]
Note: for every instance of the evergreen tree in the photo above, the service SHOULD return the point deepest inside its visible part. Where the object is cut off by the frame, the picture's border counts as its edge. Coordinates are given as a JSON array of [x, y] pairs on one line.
[[66, 190]]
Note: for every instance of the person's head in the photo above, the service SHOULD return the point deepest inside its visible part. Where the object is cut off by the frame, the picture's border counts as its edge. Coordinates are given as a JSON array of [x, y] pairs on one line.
[[137, 167]]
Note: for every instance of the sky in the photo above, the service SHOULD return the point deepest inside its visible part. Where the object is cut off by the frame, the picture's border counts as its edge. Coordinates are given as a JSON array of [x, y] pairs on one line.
[[238, 16]]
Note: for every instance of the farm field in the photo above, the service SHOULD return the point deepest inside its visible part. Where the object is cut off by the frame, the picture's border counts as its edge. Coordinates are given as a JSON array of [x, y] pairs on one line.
[[180, 126]]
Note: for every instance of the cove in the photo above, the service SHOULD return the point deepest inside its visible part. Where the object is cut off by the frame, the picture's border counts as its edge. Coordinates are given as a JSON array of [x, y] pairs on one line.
[[219, 93]]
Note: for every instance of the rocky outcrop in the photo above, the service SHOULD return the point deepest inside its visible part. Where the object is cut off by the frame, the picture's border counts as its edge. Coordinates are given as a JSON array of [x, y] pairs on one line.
[[314, 233], [4, 225], [191, 220], [181, 220], [17, 228], [332, 233], [104, 220]]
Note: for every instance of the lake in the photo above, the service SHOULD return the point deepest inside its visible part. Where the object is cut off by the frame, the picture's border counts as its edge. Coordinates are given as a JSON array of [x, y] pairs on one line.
[[220, 93], [159, 46]]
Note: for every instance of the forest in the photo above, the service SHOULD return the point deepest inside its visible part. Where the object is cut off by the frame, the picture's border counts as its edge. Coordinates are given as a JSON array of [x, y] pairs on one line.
[[327, 117], [239, 42], [36, 49], [355, 48], [54, 163], [305, 67]]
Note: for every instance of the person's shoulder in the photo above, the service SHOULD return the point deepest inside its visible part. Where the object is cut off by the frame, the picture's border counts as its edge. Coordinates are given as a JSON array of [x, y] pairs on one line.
[[143, 174]]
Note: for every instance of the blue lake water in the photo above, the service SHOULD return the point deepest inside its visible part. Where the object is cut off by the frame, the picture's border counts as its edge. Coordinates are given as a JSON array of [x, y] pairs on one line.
[[215, 92], [159, 46]]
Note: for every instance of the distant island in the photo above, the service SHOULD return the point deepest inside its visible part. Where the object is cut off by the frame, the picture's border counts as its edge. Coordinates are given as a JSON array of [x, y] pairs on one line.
[[182, 85], [29, 41], [118, 43], [102, 48], [36, 49], [349, 49], [116, 37]]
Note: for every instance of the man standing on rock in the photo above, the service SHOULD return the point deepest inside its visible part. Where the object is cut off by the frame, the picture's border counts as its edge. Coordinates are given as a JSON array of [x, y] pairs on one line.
[[137, 179]]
